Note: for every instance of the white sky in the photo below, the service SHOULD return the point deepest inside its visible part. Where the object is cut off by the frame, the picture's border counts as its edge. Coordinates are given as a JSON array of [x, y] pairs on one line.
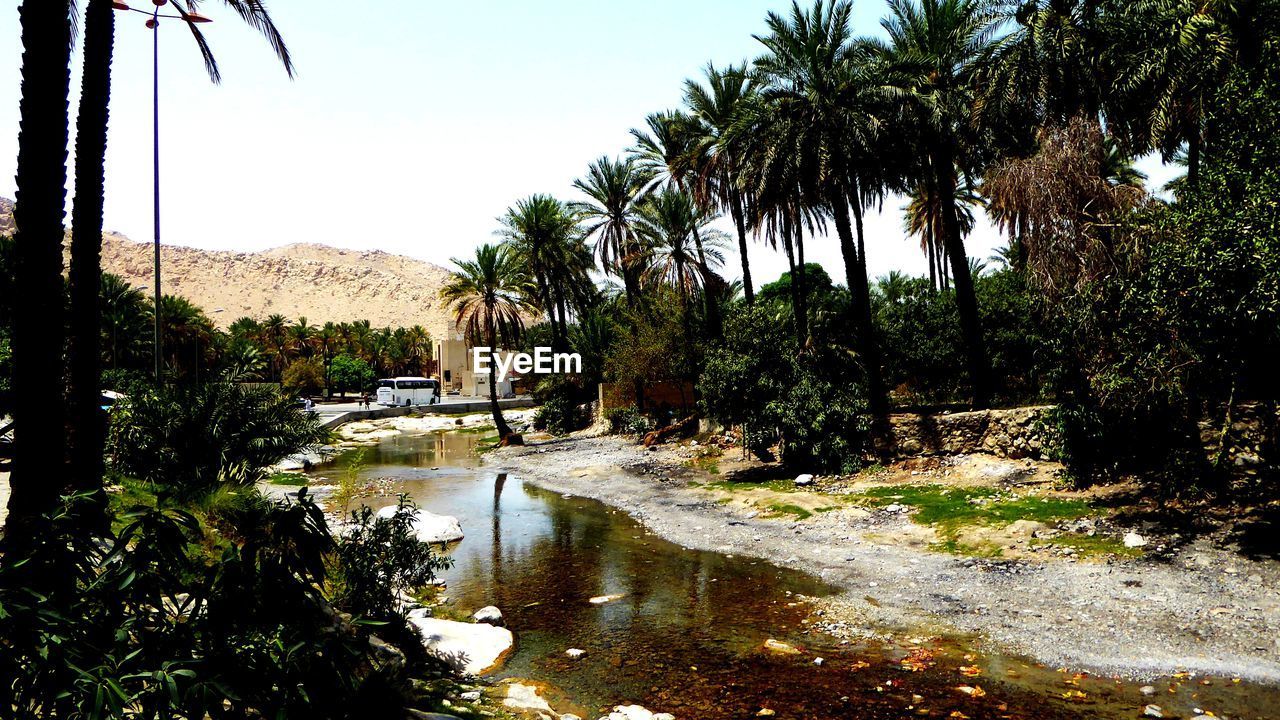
[[412, 123]]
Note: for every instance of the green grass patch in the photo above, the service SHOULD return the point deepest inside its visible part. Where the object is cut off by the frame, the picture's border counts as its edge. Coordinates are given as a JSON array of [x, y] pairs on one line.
[[779, 485], [786, 509], [1091, 546], [951, 508], [473, 430], [955, 547], [707, 464], [289, 479]]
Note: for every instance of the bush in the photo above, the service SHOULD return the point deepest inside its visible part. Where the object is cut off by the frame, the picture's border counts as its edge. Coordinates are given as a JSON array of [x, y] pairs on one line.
[[303, 377], [192, 438], [350, 374], [812, 405], [378, 559], [626, 421]]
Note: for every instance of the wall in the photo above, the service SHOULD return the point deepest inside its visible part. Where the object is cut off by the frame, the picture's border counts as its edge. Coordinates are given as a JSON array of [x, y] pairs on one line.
[[1023, 432]]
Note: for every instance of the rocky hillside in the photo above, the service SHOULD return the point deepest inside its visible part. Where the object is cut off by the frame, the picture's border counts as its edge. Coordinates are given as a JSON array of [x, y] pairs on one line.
[[318, 282]]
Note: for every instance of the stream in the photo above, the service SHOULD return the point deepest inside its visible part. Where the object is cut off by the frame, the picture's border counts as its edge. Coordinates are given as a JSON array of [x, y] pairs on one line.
[[686, 635]]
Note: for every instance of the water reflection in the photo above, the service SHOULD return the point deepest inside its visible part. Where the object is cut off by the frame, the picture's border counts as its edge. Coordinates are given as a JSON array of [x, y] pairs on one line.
[[685, 636]]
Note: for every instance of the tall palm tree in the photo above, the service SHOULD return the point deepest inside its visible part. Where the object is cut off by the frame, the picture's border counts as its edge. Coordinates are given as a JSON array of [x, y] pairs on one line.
[[38, 337], [933, 54], [713, 108], [488, 296], [924, 220], [545, 234], [818, 80], [87, 430], [613, 189], [124, 320]]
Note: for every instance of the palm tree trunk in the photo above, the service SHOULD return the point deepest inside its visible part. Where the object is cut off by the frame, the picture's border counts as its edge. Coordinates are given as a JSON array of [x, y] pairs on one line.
[[87, 426], [714, 325], [797, 303], [855, 270], [498, 420], [735, 209], [966, 299], [39, 337]]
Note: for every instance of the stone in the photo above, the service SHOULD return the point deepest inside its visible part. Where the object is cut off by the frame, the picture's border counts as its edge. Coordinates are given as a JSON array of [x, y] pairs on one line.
[[1152, 711], [1147, 690], [419, 715], [385, 655], [574, 653], [489, 614], [765, 712], [777, 646], [526, 699], [635, 712], [804, 480], [472, 648], [429, 527], [602, 599], [470, 696], [1134, 540]]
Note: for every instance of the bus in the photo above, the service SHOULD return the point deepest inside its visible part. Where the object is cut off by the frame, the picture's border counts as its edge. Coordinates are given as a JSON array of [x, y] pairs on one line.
[[406, 391]]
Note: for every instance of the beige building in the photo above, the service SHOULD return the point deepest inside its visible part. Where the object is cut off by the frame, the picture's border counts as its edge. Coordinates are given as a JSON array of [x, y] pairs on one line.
[[457, 371]]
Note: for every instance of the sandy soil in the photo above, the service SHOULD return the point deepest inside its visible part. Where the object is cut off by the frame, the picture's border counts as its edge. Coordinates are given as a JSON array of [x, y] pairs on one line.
[[1197, 608]]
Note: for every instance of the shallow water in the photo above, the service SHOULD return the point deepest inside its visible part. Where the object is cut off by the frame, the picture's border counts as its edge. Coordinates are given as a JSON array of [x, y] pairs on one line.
[[686, 636]]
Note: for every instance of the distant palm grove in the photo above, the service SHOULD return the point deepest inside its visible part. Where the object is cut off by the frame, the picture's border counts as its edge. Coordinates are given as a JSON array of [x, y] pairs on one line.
[[143, 576]]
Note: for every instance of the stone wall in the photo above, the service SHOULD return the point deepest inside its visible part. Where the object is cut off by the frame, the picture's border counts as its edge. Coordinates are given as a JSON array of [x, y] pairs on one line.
[[1023, 432]]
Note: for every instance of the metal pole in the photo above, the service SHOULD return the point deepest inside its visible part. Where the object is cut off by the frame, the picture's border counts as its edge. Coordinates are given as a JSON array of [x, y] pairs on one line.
[[155, 149]]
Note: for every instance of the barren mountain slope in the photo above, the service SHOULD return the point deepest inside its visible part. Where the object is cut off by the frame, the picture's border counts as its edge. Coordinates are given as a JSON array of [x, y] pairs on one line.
[[318, 282]]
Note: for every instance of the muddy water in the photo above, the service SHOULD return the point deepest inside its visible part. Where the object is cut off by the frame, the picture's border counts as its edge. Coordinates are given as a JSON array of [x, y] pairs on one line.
[[686, 634]]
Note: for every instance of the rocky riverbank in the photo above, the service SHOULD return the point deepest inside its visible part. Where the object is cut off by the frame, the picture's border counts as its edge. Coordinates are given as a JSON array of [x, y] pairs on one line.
[[1189, 607]]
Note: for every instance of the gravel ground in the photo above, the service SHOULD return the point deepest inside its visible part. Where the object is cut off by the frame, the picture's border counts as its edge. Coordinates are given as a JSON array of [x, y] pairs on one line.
[[1202, 610]]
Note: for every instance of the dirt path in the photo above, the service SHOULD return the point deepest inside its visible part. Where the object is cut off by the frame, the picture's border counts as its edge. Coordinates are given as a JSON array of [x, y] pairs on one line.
[[1203, 609]]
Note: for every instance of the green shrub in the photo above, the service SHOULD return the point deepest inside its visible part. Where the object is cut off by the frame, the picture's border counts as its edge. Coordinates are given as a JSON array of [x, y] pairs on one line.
[[192, 438], [626, 421]]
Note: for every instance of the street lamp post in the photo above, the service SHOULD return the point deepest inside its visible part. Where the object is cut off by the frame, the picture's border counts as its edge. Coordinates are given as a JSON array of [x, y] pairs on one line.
[[153, 23]]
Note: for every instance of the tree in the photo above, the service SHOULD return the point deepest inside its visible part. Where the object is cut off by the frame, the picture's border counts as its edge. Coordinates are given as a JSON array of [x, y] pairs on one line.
[[713, 108], [924, 219], [304, 376], [828, 109], [347, 373], [39, 338], [933, 53], [489, 297], [614, 188], [545, 235]]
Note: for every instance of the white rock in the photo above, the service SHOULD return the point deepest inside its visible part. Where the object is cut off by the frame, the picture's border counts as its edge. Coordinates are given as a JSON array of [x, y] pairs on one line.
[[1147, 690], [488, 614], [602, 599], [429, 527], [1134, 540], [1153, 711], [804, 479], [818, 661], [574, 653], [473, 648], [470, 696], [525, 698]]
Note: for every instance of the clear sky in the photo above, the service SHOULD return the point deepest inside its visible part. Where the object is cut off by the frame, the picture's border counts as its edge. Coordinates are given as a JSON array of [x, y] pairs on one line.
[[412, 124]]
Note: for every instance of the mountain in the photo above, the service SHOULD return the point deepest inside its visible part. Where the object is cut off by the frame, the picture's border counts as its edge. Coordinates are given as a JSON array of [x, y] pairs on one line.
[[318, 282]]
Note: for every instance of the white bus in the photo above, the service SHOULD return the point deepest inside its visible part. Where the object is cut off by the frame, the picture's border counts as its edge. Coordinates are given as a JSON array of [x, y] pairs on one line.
[[404, 391]]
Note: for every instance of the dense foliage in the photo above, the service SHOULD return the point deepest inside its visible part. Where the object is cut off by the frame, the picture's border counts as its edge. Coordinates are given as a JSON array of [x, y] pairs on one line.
[[194, 438]]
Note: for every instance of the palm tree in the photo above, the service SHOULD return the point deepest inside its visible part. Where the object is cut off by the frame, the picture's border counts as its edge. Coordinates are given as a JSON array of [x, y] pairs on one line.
[[1168, 57], [544, 234], [488, 296], [717, 162], [87, 431], [828, 106], [669, 221], [327, 341], [38, 337], [924, 220], [934, 51], [614, 187], [124, 320]]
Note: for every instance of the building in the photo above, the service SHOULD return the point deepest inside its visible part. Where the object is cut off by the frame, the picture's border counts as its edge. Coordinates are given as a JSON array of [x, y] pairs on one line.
[[457, 372]]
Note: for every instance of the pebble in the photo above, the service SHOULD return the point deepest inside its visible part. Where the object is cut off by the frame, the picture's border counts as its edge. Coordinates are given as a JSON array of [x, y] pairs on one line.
[[1147, 690], [574, 653], [1153, 711]]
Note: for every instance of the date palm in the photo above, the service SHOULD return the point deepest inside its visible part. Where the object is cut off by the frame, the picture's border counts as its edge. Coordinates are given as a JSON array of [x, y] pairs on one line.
[[38, 337], [545, 235], [713, 107], [932, 56], [489, 298], [821, 86], [614, 188], [87, 435], [924, 220]]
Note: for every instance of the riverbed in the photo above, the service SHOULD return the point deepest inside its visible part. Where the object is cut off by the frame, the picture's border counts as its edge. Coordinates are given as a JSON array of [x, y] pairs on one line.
[[686, 629]]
